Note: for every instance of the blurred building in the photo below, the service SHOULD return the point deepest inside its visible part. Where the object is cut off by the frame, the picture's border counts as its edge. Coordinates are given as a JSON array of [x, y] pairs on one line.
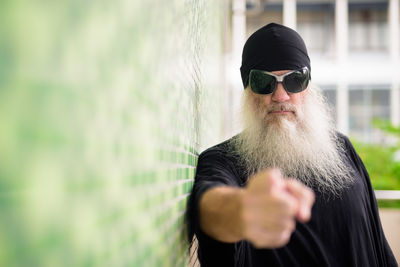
[[354, 50]]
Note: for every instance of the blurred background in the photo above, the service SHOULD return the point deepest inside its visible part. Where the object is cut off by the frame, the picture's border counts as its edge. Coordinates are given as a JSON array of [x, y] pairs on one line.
[[105, 106]]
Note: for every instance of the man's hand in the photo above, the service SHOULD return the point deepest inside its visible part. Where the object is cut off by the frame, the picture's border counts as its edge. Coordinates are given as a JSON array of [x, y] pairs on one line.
[[270, 206], [264, 212]]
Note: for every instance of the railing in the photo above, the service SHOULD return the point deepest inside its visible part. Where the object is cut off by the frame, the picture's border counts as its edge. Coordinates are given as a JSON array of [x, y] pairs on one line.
[[387, 194]]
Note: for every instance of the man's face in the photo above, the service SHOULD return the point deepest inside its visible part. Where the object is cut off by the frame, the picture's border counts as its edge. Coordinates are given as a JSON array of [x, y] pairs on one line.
[[294, 132], [280, 104]]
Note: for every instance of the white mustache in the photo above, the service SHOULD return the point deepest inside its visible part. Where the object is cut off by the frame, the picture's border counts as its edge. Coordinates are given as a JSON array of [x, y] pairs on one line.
[[281, 107]]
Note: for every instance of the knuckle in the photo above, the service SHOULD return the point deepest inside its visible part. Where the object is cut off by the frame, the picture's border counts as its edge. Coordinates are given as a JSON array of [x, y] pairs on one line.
[[311, 195], [287, 225], [285, 205], [296, 185], [283, 239], [291, 225], [291, 206]]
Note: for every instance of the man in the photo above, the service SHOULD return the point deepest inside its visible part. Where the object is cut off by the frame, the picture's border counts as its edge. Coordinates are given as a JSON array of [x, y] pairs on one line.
[[289, 190]]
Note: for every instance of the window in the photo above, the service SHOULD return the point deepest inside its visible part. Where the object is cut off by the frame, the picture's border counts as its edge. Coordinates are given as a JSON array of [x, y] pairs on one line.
[[259, 13], [365, 104], [316, 24], [368, 26]]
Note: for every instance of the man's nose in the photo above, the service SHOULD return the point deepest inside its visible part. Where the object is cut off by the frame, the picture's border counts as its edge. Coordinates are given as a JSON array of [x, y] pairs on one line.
[[280, 94]]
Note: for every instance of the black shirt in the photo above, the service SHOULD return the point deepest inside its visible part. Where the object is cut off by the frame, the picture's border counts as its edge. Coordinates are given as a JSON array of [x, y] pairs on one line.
[[343, 231]]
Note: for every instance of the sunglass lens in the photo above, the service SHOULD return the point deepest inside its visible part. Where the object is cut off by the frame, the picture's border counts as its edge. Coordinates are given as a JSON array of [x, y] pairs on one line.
[[262, 83], [297, 81]]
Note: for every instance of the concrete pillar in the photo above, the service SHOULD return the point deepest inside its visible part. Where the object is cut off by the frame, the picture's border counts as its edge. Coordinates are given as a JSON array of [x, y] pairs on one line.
[[341, 33], [238, 27], [393, 17], [342, 96], [341, 29], [394, 104], [289, 13], [233, 67]]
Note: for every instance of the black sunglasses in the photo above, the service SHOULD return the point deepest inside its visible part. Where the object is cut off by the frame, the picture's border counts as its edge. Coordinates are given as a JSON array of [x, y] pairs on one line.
[[264, 82]]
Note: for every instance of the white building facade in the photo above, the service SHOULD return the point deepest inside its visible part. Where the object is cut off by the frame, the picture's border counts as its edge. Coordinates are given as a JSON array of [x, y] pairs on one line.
[[354, 50]]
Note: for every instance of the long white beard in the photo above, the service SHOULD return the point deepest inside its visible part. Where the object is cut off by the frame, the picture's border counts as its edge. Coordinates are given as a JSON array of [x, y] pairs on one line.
[[303, 146]]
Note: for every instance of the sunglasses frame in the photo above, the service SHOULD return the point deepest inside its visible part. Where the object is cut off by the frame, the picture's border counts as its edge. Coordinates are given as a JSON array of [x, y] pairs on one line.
[[280, 79]]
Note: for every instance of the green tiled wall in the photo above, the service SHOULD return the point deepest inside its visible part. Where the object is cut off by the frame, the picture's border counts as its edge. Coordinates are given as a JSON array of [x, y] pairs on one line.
[[104, 107]]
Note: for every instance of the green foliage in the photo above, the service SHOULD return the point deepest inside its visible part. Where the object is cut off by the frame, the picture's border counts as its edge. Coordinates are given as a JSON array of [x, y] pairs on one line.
[[380, 160], [389, 203], [387, 127]]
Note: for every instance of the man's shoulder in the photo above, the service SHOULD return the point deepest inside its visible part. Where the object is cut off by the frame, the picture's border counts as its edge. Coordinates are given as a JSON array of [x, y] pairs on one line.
[[344, 141], [348, 150], [341, 136], [223, 149], [222, 162]]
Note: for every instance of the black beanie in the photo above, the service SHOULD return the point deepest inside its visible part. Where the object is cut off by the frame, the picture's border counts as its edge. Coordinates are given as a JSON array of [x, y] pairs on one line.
[[273, 47]]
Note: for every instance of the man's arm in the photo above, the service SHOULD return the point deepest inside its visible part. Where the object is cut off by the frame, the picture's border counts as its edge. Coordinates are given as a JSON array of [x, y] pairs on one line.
[[264, 212], [220, 215]]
